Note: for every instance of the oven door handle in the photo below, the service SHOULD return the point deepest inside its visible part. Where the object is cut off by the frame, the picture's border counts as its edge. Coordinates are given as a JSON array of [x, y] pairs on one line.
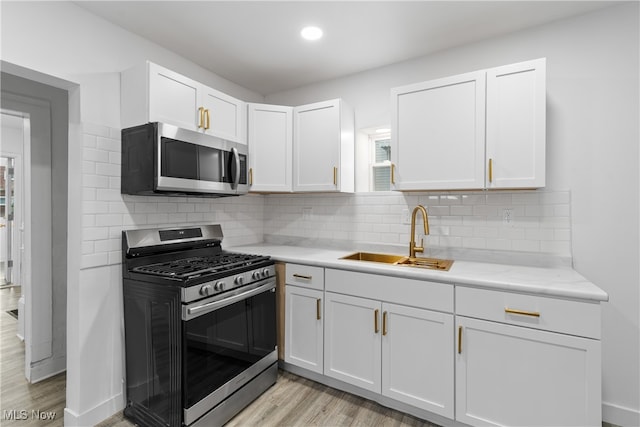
[[198, 310]]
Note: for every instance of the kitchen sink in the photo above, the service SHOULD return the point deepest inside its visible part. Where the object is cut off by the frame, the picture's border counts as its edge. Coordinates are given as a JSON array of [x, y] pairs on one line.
[[373, 257], [400, 260]]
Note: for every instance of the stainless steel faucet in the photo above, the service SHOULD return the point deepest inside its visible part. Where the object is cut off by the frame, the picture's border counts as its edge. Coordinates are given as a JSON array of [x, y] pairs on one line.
[[425, 219]]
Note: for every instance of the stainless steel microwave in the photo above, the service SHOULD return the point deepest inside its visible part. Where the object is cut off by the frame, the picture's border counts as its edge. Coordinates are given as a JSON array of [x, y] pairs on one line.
[[161, 159]]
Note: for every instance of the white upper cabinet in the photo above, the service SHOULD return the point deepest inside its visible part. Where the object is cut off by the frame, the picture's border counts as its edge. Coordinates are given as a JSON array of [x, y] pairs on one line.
[[516, 125], [478, 130], [323, 147], [270, 137], [437, 134], [153, 93]]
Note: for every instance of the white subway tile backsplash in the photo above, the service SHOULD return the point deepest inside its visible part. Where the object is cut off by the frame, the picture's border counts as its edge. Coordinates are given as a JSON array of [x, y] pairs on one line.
[[460, 220], [540, 219]]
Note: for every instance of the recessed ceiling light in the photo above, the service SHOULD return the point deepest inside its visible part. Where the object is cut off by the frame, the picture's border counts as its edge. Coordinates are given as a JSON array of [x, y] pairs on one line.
[[311, 33]]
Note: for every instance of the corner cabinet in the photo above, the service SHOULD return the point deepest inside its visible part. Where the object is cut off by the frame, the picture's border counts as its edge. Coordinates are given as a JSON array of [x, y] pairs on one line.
[[323, 147], [151, 93], [484, 129], [270, 138], [524, 359]]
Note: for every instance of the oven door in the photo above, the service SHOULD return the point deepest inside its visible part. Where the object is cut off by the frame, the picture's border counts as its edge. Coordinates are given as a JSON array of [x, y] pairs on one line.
[[228, 340]]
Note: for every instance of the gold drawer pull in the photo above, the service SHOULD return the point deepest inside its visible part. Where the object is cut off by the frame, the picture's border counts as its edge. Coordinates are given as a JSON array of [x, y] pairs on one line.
[[200, 117], [302, 276], [318, 309], [521, 312], [207, 119], [376, 327], [490, 170], [335, 176], [384, 323], [250, 176], [459, 339], [393, 173]]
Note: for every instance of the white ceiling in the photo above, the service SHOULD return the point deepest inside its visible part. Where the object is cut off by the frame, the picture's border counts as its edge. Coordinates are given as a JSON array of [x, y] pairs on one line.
[[256, 44]]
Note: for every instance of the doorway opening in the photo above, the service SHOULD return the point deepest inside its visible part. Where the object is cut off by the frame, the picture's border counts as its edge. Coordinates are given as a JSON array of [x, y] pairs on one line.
[[34, 169]]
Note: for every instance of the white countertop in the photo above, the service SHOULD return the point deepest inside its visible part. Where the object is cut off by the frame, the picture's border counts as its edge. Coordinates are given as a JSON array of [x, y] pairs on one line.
[[558, 281]]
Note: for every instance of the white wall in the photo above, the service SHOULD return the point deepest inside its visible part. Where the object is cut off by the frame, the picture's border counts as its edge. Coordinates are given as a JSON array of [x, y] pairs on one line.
[[61, 44], [592, 151]]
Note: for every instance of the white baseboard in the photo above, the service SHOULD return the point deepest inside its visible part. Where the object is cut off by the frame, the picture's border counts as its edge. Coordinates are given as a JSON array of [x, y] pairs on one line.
[[96, 414], [47, 368], [619, 415]]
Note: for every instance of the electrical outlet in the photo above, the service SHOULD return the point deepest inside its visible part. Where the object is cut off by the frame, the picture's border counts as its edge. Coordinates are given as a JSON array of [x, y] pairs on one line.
[[507, 217], [406, 217]]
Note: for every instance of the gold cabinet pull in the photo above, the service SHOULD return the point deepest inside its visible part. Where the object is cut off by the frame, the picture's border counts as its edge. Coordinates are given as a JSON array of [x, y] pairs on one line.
[[200, 117], [459, 339], [384, 323], [393, 173], [250, 176], [521, 312], [302, 276], [207, 117], [376, 327], [335, 175], [490, 170], [318, 309]]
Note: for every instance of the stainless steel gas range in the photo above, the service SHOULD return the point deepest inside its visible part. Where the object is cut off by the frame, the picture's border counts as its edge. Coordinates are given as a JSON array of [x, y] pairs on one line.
[[200, 326]]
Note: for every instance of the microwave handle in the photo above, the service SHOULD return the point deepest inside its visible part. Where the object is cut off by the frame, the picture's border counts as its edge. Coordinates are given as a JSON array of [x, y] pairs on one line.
[[236, 159]]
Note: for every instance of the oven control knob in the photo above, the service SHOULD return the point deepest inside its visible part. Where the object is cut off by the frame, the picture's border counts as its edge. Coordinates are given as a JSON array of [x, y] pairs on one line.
[[256, 275], [265, 272], [239, 280], [206, 290], [219, 286]]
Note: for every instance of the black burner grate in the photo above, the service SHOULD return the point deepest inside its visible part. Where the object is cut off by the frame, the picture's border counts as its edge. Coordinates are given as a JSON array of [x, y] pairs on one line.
[[188, 267]]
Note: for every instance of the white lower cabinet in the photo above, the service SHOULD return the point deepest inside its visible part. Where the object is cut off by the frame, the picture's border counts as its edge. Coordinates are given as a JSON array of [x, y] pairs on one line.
[[510, 376], [304, 328], [527, 360], [352, 340], [402, 352], [500, 358], [417, 367]]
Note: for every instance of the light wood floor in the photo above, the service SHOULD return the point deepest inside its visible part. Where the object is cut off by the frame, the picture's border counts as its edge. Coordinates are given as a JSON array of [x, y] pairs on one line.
[[292, 401], [16, 394], [296, 401]]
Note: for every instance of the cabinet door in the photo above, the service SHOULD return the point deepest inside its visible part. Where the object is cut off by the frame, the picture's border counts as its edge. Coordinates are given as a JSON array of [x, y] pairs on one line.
[[437, 134], [516, 125], [509, 375], [316, 147], [352, 340], [173, 98], [417, 367], [225, 116], [270, 147], [303, 328]]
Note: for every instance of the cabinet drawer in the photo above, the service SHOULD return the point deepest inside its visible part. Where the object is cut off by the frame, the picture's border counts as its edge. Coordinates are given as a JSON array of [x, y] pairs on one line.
[[305, 276], [533, 311], [398, 290]]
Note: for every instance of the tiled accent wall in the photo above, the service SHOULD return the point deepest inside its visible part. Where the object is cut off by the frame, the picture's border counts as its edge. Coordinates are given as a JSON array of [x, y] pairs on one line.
[[467, 220], [106, 212]]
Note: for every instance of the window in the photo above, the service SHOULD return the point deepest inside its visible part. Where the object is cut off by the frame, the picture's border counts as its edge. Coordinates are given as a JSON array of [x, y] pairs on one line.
[[380, 162]]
